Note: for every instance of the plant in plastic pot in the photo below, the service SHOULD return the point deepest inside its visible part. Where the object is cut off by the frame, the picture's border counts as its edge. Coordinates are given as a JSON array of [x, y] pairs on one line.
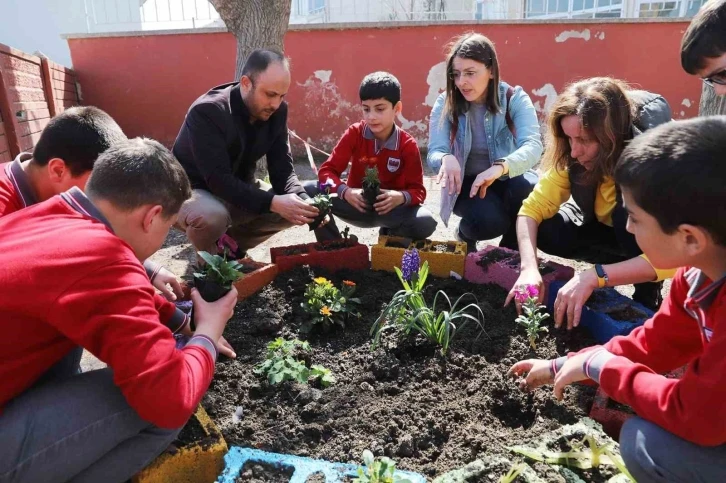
[[324, 205], [215, 278], [371, 185]]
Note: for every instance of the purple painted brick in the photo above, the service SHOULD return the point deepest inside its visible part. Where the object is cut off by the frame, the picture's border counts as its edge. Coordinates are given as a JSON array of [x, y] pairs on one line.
[[504, 270]]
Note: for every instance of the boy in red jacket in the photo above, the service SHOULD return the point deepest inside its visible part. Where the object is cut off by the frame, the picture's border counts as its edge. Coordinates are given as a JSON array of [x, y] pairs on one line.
[[63, 158], [71, 276], [673, 180], [377, 142]]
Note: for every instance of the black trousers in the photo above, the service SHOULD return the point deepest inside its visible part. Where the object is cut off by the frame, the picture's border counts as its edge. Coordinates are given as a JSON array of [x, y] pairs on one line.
[[565, 235]]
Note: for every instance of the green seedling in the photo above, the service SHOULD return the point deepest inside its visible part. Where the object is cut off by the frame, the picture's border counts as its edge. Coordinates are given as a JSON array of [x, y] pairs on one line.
[[378, 470], [281, 365]]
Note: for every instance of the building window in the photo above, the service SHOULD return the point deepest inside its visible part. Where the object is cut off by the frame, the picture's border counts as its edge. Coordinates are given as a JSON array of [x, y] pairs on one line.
[[316, 6]]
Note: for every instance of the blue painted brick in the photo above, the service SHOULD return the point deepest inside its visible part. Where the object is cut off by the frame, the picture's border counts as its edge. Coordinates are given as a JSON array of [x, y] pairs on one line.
[[237, 457], [596, 318]]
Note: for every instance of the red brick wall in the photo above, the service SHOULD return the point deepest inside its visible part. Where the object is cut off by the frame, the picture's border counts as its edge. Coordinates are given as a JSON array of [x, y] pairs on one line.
[[147, 82], [32, 90]]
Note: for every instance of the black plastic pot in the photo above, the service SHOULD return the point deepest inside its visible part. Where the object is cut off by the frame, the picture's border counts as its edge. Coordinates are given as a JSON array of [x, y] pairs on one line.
[[210, 291], [371, 195], [318, 220]]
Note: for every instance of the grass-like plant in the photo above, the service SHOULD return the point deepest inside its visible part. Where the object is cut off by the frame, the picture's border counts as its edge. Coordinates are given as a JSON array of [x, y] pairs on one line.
[[513, 473], [533, 315], [378, 470], [409, 312], [328, 304], [281, 365]]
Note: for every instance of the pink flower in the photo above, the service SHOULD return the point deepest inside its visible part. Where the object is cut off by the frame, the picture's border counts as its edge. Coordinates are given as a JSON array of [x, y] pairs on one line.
[[520, 296], [532, 291]]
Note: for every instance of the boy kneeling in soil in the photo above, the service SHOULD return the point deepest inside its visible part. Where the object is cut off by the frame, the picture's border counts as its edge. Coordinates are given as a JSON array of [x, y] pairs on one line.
[[673, 180], [71, 276], [376, 143], [63, 158]]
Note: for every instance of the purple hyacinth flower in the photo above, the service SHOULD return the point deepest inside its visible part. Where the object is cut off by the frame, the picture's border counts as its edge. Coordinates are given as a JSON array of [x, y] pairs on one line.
[[410, 264]]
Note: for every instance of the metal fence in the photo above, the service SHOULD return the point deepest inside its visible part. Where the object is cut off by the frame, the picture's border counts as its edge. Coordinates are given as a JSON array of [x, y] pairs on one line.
[[117, 15]]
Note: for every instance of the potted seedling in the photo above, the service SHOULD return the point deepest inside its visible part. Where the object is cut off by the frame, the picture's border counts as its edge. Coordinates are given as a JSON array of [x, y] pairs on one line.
[[215, 277], [371, 185], [324, 205]]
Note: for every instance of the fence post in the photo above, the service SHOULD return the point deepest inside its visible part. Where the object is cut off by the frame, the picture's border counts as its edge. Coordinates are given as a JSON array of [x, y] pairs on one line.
[[48, 85], [6, 112]]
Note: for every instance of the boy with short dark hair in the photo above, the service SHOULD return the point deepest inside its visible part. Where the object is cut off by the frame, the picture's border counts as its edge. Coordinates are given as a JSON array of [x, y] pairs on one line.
[[377, 142], [63, 158], [672, 178], [72, 269], [703, 48]]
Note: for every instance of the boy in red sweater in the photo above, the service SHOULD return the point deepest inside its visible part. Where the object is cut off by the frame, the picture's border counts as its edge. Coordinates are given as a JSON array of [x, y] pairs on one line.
[[63, 158], [673, 180], [72, 276], [377, 142]]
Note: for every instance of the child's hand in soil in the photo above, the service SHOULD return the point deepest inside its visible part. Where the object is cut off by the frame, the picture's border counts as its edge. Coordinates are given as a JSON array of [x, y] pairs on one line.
[[354, 197], [388, 200], [211, 317], [167, 283], [225, 348], [572, 371], [532, 373]]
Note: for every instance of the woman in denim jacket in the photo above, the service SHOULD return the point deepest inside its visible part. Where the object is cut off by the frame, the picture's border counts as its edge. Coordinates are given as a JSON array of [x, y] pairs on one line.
[[484, 138]]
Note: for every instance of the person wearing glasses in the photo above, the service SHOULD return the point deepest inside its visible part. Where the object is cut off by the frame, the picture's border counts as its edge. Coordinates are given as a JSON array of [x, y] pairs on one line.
[[589, 125], [484, 138], [703, 48]]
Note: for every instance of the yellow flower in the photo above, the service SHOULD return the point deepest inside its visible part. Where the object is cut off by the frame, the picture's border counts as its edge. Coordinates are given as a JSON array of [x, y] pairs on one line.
[[320, 280], [325, 311], [348, 283]]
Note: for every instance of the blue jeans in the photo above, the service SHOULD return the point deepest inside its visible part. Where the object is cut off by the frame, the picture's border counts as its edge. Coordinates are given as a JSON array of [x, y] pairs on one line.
[[652, 454], [495, 214], [76, 427]]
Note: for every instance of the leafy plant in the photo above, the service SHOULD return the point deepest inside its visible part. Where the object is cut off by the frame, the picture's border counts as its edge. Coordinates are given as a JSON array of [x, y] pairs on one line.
[[378, 470], [513, 473], [322, 202], [409, 312], [217, 269], [328, 304], [371, 181], [533, 314], [281, 365]]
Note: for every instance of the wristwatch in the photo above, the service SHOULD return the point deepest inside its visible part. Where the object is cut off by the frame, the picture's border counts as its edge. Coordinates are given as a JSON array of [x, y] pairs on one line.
[[602, 277]]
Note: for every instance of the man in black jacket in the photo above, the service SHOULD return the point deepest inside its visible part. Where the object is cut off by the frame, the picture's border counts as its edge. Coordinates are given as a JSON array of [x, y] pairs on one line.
[[224, 134]]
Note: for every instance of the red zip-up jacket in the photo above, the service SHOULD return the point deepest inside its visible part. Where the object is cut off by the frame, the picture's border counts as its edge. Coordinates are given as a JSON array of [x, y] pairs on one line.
[[398, 161], [689, 328], [16, 194], [69, 281]]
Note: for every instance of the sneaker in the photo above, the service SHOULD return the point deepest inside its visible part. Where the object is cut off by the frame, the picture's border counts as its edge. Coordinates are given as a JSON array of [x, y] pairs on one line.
[[470, 244]]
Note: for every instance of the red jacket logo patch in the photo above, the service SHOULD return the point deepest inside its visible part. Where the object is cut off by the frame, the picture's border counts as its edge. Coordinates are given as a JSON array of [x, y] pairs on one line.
[[393, 164]]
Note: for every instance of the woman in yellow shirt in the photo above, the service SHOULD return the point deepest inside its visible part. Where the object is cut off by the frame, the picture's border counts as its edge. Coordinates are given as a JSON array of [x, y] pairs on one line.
[[589, 125]]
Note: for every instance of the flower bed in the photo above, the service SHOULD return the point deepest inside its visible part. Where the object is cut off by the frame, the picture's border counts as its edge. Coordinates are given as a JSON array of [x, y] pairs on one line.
[[403, 399]]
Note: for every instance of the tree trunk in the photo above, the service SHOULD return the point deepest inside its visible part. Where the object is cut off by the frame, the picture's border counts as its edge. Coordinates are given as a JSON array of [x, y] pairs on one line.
[[711, 104], [256, 24]]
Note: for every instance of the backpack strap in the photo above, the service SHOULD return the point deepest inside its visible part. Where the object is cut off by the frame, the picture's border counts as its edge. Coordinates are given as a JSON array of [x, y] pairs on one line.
[[507, 115]]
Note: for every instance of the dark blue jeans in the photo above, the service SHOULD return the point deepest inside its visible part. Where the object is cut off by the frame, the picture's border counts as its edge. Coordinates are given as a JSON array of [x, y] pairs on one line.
[[495, 214]]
